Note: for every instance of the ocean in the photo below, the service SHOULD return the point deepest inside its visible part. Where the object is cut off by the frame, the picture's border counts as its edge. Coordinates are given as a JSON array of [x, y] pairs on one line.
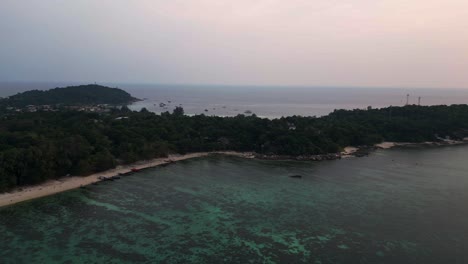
[[395, 206], [264, 101]]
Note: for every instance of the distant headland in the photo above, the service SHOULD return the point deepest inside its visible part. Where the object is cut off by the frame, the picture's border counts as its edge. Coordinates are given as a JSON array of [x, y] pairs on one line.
[[82, 95]]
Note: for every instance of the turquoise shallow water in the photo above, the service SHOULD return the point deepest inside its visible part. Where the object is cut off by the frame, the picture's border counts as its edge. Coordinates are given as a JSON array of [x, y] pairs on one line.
[[395, 206]]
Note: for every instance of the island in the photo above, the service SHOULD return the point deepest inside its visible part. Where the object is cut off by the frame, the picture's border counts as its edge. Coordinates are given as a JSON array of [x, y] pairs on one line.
[[36, 146], [72, 97]]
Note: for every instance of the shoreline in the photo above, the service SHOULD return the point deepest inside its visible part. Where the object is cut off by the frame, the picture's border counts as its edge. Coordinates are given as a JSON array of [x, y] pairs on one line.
[[447, 142], [63, 184], [68, 183]]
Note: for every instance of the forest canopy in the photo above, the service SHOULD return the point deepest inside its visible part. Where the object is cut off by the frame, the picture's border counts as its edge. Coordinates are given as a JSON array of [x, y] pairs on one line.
[[72, 95], [38, 146]]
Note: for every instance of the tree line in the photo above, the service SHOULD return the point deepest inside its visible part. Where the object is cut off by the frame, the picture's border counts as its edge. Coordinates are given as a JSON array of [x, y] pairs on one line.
[[35, 147]]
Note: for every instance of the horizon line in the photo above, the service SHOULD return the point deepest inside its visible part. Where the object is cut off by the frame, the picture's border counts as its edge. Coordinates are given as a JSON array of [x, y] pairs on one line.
[[227, 85]]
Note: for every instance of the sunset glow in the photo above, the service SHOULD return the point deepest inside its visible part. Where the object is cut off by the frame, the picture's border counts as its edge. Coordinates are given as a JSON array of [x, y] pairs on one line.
[[297, 42]]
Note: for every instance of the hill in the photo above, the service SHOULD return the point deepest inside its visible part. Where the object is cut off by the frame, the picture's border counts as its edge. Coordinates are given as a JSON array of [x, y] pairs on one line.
[[73, 95]]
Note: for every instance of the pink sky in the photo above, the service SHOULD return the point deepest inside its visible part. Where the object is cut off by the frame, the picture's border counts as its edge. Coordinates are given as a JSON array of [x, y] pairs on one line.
[[296, 42]]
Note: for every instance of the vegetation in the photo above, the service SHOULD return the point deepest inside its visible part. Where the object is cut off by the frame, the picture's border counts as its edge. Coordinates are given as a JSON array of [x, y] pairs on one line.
[[38, 146], [73, 95]]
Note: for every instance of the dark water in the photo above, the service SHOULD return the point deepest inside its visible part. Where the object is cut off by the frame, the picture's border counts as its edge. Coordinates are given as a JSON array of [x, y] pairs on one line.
[[264, 101], [396, 206]]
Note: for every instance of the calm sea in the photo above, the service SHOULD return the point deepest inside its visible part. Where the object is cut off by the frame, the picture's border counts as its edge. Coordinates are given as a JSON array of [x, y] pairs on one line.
[[395, 206], [268, 102]]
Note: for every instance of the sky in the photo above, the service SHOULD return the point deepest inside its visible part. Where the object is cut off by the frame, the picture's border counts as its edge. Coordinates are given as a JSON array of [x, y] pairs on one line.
[[371, 43]]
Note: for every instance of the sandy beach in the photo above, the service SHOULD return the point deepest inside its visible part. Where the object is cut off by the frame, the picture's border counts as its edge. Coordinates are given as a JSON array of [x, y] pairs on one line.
[[68, 183], [348, 152], [386, 145], [445, 142]]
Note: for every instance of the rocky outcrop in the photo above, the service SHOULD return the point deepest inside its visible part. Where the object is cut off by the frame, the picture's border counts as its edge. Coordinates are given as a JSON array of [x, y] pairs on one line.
[[321, 157]]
